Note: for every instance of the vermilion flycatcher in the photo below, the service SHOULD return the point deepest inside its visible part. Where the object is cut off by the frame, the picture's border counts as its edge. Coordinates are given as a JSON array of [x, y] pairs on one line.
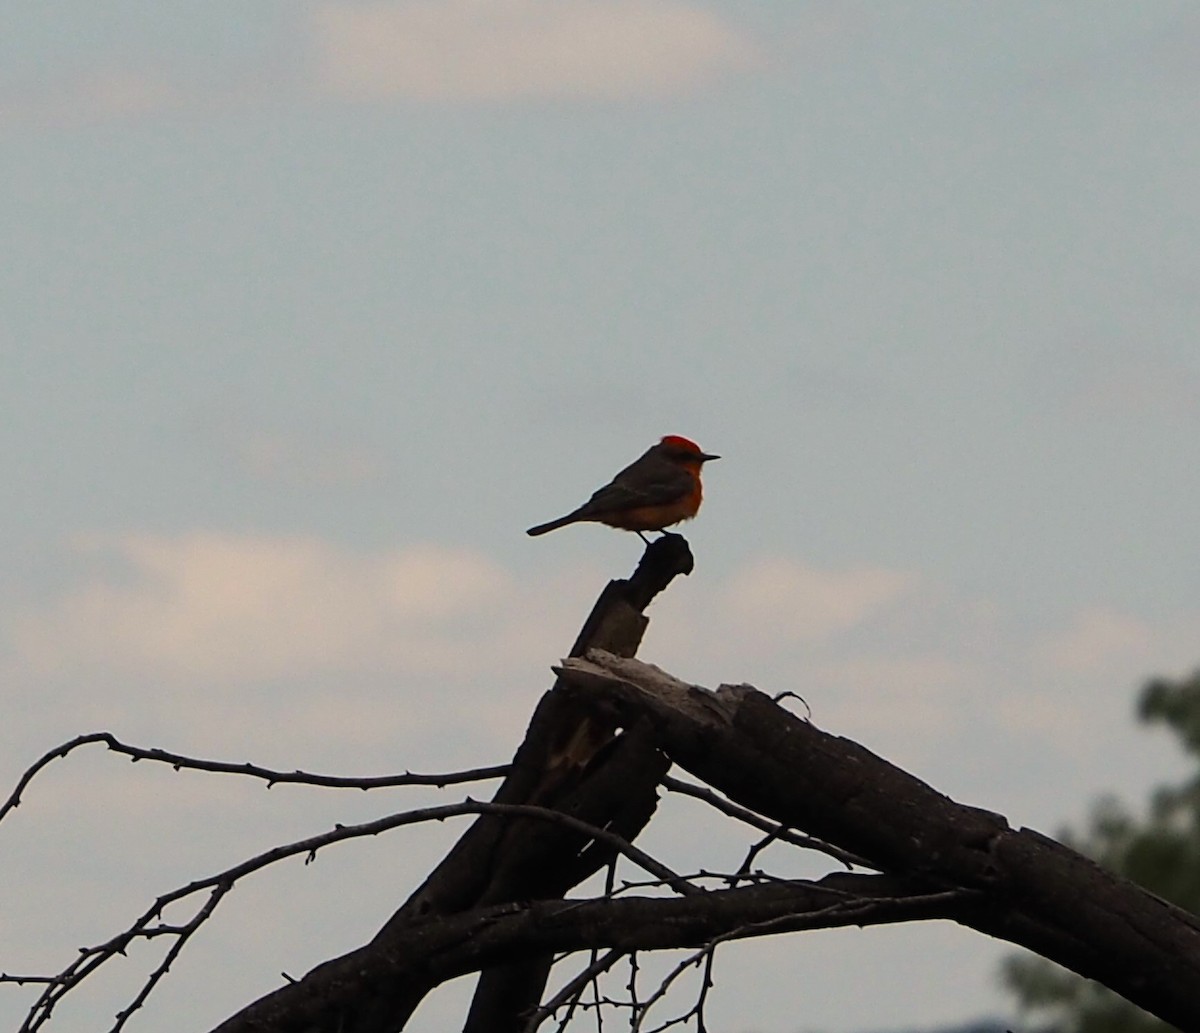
[[659, 488]]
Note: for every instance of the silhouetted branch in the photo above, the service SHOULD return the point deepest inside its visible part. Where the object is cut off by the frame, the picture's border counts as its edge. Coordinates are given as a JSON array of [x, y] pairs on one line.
[[1042, 895], [90, 959], [772, 828], [571, 991], [423, 954], [268, 775], [581, 787]]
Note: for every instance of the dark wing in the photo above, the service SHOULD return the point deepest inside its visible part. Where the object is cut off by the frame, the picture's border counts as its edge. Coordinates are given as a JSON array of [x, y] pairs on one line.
[[650, 481]]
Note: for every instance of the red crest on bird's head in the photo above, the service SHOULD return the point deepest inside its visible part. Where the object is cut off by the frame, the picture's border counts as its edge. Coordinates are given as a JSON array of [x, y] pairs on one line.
[[676, 441], [684, 448]]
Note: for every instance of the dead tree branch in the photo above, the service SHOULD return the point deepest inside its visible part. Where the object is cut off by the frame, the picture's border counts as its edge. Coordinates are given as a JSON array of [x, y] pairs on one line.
[[422, 954], [582, 786], [180, 761], [572, 760], [772, 828], [1044, 896], [214, 887]]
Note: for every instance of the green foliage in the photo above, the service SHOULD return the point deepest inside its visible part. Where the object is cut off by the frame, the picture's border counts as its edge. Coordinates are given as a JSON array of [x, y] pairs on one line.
[[1160, 851]]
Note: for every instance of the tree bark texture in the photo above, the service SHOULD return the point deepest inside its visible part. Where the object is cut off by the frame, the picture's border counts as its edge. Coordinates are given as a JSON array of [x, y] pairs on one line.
[[571, 759], [1033, 890], [596, 747]]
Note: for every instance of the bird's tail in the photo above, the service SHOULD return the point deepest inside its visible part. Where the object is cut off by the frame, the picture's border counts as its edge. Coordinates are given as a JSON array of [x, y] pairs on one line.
[[553, 525]]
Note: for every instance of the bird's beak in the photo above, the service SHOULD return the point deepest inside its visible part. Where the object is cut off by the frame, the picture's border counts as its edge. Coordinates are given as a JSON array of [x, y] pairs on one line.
[[704, 457]]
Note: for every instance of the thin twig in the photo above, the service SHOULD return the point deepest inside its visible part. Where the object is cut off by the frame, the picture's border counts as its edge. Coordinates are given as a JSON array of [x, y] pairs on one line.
[[268, 775], [780, 832], [705, 986], [633, 979], [92, 958], [791, 922], [610, 881], [571, 991], [724, 878], [661, 990], [184, 934], [756, 849]]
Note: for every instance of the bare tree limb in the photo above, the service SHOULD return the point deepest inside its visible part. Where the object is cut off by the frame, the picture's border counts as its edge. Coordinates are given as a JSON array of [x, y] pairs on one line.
[[571, 990], [423, 954], [1048, 897], [90, 959], [572, 760], [272, 777], [581, 787], [772, 828]]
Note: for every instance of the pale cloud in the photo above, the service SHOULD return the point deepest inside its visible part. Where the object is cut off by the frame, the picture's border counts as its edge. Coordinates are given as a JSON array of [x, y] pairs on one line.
[[227, 611], [205, 606], [96, 95], [503, 50], [893, 697], [1104, 643], [1099, 639], [119, 92], [137, 89], [417, 50], [280, 457], [853, 641], [780, 598], [313, 452], [1057, 720]]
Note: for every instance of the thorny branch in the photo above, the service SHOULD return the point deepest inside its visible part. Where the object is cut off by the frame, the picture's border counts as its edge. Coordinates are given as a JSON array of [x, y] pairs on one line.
[[90, 959], [573, 990], [272, 777], [182, 935], [774, 773], [150, 925], [841, 912], [661, 924], [773, 829]]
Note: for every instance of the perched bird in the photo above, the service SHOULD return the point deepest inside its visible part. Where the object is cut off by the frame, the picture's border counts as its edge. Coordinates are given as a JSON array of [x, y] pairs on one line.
[[659, 488]]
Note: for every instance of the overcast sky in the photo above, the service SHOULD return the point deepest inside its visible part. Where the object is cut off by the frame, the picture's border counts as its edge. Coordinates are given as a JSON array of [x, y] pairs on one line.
[[312, 306]]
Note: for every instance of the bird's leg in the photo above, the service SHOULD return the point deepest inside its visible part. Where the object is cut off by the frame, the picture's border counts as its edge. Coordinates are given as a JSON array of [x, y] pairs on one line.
[[642, 537]]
